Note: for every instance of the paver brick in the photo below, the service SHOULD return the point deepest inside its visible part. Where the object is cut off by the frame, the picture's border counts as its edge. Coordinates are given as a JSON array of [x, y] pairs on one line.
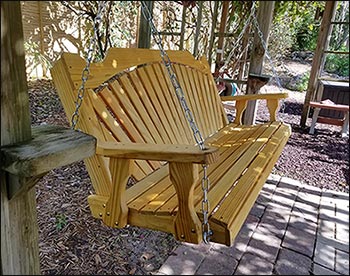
[[342, 262], [264, 246], [303, 224], [320, 270], [253, 265], [299, 241], [216, 263], [292, 263], [241, 241], [324, 255], [184, 261], [326, 228]]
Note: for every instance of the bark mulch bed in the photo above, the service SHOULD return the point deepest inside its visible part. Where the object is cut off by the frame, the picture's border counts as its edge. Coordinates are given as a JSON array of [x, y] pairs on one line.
[[71, 241]]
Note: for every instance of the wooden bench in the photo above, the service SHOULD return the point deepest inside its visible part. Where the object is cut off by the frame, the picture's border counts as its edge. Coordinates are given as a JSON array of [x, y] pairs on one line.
[[132, 109]]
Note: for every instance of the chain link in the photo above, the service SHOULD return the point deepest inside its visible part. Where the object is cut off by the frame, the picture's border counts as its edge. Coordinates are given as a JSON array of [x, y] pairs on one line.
[[86, 70], [240, 36], [263, 43], [206, 232]]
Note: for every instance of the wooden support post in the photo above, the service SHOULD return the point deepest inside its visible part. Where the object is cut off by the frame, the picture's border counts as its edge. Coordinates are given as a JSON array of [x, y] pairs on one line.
[[144, 39], [19, 228], [318, 59], [264, 17], [198, 28], [222, 30], [212, 33], [183, 25]]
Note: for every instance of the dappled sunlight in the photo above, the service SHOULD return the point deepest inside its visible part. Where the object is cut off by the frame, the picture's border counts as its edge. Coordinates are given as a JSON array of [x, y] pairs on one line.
[[114, 63], [104, 115]]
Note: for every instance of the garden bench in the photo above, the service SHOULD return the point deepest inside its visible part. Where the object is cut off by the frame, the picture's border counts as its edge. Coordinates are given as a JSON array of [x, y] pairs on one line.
[[132, 109]]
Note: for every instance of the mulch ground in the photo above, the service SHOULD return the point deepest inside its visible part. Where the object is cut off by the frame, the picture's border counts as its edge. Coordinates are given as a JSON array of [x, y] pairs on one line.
[[72, 242]]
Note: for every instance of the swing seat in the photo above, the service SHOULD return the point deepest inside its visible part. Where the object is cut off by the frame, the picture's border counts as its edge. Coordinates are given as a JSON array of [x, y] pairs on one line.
[[147, 169]]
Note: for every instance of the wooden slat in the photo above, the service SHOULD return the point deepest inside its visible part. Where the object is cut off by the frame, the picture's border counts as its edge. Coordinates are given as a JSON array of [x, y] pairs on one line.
[[225, 183], [176, 138], [146, 102], [177, 104], [118, 132], [205, 98], [169, 97], [236, 198], [191, 96], [136, 134], [139, 107], [168, 135], [152, 193]]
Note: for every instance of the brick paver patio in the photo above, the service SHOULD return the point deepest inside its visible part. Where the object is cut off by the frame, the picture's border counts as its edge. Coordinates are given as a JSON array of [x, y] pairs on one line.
[[293, 229]]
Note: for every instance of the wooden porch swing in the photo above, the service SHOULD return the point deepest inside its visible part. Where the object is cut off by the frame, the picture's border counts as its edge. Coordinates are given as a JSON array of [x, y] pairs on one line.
[[132, 107]]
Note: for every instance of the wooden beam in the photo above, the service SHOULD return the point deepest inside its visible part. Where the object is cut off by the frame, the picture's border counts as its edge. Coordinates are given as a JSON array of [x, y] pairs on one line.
[[318, 59], [144, 39], [19, 228], [212, 33], [222, 30], [49, 148], [198, 28], [183, 23], [264, 18]]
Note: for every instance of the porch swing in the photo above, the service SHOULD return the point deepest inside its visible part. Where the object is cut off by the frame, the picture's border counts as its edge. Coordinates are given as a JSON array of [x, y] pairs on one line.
[[145, 108]]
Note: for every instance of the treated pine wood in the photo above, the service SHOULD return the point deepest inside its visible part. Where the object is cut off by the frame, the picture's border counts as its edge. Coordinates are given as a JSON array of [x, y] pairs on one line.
[[141, 118], [49, 148], [99, 174], [19, 228], [272, 100], [119, 59], [187, 224], [173, 153], [116, 211]]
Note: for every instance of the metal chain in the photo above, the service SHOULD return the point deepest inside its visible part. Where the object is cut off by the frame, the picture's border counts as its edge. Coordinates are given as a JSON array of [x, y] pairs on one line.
[[240, 36], [275, 76], [206, 232], [86, 70]]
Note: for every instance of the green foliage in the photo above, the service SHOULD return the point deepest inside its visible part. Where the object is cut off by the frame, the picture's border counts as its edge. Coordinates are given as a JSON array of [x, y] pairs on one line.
[[337, 64], [61, 221], [294, 21], [303, 82]]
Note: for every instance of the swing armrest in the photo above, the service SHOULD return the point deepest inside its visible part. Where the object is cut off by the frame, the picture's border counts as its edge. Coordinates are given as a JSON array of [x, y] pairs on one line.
[[160, 152], [272, 100], [249, 97]]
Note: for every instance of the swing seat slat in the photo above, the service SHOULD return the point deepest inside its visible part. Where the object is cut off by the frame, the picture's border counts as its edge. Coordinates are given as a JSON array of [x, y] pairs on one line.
[[142, 132]]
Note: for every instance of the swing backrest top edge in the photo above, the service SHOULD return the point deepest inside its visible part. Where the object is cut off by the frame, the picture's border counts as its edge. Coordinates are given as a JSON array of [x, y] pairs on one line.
[[120, 59]]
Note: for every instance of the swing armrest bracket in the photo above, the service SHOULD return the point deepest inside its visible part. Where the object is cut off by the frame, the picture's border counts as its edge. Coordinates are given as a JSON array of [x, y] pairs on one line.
[[159, 152]]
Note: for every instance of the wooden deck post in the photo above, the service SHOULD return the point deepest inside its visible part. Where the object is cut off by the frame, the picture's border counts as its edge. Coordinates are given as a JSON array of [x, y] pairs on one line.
[[264, 17], [19, 229], [223, 23], [144, 39], [318, 59]]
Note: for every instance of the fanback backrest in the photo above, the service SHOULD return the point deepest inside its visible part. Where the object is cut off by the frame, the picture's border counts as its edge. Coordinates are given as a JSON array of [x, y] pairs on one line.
[[130, 98]]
